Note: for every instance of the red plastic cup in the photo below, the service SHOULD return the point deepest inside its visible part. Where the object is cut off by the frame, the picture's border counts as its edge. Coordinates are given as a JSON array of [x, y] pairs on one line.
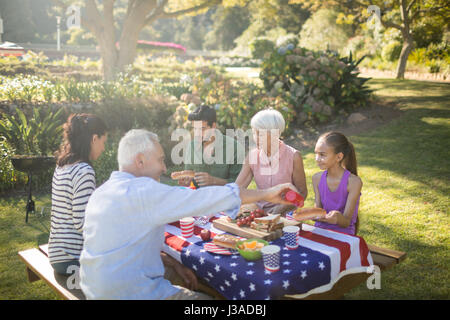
[[295, 198], [187, 227]]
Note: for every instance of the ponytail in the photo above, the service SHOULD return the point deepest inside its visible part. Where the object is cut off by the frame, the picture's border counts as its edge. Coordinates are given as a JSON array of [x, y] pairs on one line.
[[78, 132], [350, 159], [340, 143]]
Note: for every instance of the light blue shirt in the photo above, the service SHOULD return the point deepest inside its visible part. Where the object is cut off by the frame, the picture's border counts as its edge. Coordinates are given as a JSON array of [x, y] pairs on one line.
[[124, 233]]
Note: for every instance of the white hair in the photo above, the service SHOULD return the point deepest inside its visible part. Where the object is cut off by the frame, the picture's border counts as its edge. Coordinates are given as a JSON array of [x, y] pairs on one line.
[[134, 142], [269, 119]]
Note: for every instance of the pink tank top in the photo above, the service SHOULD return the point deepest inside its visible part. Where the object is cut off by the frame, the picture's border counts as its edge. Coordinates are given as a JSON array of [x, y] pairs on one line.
[[270, 172], [336, 201]]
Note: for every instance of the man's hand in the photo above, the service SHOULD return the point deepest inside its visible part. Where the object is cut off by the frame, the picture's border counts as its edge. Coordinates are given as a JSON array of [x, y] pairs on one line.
[[276, 193], [187, 275], [204, 179], [185, 181]]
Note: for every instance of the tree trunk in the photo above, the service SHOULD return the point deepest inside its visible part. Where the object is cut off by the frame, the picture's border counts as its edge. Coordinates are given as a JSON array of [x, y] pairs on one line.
[[408, 43], [408, 46]]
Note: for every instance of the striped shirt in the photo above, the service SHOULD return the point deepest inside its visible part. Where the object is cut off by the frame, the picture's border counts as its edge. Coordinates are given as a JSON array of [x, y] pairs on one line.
[[72, 186]]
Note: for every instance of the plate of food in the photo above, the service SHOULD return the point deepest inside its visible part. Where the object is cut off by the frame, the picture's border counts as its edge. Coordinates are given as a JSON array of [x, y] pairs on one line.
[[223, 244]]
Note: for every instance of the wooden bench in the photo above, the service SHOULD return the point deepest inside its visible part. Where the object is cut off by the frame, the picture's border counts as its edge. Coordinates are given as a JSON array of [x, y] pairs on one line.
[[38, 268]]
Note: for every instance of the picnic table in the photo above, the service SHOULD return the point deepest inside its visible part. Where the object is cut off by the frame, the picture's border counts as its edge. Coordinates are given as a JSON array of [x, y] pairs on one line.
[[323, 258], [345, 260]]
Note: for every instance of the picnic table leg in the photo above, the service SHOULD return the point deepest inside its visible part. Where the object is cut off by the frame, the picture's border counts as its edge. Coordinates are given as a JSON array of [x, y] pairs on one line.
[[31, 276]]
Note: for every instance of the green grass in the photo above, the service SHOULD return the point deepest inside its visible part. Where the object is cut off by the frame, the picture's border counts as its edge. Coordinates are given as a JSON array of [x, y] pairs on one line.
[[405, 168]]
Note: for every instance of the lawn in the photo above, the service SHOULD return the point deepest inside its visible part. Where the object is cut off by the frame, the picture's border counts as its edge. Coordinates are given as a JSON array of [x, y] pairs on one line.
[[405, 168]]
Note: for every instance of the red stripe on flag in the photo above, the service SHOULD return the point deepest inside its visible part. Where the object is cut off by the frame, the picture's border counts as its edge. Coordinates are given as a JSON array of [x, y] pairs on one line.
[[343, 247], [363, 252], [175, 242]]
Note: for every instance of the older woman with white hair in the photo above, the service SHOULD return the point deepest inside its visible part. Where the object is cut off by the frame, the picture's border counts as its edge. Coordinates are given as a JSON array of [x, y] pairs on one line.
[[272, 161]]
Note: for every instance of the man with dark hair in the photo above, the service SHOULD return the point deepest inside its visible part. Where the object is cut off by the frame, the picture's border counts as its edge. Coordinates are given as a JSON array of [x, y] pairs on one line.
[[212, 155]]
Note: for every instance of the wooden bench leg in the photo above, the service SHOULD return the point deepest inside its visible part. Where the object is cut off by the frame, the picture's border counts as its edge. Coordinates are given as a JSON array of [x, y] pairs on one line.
[[32, 277]]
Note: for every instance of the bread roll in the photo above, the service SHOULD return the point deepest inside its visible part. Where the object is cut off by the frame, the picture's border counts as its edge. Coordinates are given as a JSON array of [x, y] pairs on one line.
[[176, 175], [225, 240], [309, 213]]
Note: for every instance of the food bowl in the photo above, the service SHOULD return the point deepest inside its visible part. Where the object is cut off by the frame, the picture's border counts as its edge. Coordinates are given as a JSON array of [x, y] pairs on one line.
[[250, 250]]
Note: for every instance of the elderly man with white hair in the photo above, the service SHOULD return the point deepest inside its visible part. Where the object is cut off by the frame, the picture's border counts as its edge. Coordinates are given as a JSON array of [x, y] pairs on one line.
[[126, 218], [272, 161]]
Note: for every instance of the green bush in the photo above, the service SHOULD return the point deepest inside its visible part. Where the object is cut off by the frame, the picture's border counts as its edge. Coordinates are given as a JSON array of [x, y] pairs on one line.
[[391, 52], [9, 178], [259, 47], [35, 133], [318, 85], [440, 51]]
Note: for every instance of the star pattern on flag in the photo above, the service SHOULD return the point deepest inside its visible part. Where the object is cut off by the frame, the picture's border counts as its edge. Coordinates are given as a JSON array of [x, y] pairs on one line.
[[301, 270]]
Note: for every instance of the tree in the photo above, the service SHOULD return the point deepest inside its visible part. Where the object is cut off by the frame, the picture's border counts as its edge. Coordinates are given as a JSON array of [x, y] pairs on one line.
[[117, 39], [229, 23], [399, 14]]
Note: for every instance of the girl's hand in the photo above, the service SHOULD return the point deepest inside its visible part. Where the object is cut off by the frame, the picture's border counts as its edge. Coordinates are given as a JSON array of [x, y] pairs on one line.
[[332, 217]]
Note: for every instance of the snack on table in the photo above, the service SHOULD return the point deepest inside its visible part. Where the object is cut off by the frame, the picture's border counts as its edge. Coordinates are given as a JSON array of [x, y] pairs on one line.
[[225, 240], [268, 224], [248, 213], [176, 175], [247, 208], [308, 214], [251, 245]]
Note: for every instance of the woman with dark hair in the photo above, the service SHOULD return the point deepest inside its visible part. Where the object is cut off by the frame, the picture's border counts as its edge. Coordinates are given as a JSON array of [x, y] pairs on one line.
[[73, 182], [338, 188]]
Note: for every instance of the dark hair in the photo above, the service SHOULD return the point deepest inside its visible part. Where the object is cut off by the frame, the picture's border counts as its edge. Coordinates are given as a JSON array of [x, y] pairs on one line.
[[78, 132], [203, 113], [340, 143]]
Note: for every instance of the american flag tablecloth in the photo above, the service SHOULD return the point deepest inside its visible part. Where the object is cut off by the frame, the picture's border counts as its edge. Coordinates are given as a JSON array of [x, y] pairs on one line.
[[322, 258]]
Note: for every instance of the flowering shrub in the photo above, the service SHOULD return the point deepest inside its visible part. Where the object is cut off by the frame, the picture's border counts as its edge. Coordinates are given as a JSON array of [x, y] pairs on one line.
[[236, 62], [235, 102], [163, 46], [318, 85]]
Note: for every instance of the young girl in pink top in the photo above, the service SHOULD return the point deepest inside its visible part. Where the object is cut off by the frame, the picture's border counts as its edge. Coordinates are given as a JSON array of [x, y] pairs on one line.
[[338, 188]]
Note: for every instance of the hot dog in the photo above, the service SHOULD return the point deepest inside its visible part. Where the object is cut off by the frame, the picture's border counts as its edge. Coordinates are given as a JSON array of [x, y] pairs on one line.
[[176, 175], [308, 214], [225, 240]]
